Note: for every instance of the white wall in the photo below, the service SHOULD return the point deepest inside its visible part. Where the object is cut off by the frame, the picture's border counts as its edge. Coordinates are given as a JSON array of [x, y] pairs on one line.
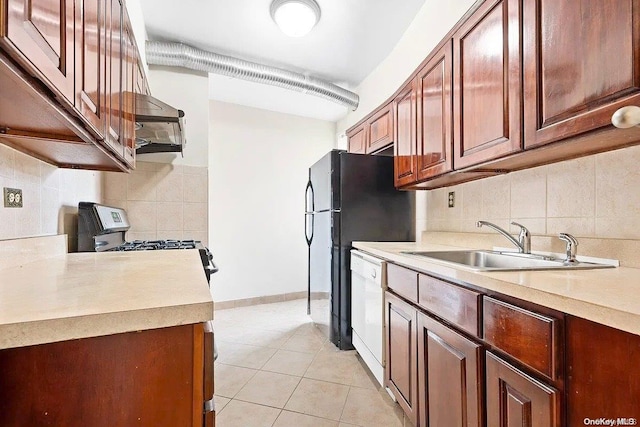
[[258, 169], [431, 24], [189, 92]]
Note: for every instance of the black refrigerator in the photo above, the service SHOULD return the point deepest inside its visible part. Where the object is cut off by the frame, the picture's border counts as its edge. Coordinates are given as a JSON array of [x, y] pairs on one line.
[[349, 197]]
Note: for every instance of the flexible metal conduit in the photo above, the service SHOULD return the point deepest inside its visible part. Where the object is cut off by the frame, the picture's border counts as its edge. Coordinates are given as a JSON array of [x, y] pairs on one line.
[[181, 55]]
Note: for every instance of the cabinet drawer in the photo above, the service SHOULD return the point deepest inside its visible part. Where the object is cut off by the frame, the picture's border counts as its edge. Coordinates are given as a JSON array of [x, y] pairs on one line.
[[450, 302], [403, 281], [529, 337]]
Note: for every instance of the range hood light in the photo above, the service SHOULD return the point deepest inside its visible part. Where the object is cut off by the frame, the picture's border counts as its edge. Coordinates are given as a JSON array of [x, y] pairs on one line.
[[160, 128]]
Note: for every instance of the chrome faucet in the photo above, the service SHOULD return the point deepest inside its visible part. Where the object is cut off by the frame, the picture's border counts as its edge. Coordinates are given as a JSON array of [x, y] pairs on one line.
[[572, 247], [524, 237]]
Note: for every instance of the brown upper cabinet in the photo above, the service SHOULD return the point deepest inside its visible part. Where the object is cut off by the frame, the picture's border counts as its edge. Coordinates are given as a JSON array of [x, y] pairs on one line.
[[90, 66], [129, 78], [380, 129], [357, 139], [374, 134], [404, 123], [580, 66], [517, 84], [115, 60], [434, 120], [487, 108], [84, 53], [39, 35]]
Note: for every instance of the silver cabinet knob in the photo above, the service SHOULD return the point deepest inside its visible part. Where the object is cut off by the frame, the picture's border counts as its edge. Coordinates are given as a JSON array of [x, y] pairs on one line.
[[626, 117]]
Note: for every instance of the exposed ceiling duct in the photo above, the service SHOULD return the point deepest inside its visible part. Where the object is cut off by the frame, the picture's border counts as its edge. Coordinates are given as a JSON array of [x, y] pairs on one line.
[[181, 55]]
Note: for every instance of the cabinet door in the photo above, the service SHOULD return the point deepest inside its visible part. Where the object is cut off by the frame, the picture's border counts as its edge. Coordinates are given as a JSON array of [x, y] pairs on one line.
[[487, 102], [434, 115], [611, 388], [516, 399], [358, 140], [129, 72], [39, 33], [114, 52], [401, 367], [208, 418], [580, 65], [90, 64], [404, 124], [450, 376], [380, 130], [145, 378]]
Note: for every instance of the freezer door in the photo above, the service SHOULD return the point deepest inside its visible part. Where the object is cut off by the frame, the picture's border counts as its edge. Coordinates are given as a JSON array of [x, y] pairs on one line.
[[371, 207], [324, 176]]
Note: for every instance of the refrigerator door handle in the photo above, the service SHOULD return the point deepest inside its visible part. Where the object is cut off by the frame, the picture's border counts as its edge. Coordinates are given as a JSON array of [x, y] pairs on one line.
[[308, 228], [308, 231], [309, 191]]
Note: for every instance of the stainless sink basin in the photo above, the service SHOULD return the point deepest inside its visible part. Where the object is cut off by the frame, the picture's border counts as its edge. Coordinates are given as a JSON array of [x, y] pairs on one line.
[[503, 261]]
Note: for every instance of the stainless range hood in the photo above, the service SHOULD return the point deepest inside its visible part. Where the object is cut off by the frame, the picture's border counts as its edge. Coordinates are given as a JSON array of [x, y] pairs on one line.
[[159, 126]]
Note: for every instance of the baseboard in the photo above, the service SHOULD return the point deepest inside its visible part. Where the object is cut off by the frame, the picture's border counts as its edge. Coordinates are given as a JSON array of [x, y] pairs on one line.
[[269, 299]]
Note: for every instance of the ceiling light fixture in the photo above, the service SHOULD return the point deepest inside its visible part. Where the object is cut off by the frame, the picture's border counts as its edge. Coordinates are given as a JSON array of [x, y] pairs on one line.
[[295, 17]]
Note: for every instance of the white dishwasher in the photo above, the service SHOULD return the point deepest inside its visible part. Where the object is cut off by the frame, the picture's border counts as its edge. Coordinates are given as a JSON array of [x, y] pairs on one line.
[[368, 283]]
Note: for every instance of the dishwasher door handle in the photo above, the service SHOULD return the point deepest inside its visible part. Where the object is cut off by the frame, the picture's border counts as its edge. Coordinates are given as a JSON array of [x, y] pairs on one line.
[[209, 406]]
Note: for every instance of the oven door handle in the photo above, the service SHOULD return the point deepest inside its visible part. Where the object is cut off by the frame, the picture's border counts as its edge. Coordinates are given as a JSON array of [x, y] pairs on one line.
[[212, 267]]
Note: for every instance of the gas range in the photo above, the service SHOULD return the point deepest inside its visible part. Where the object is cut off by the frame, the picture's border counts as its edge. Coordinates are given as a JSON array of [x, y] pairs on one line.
[[150, 245], [102, 228]]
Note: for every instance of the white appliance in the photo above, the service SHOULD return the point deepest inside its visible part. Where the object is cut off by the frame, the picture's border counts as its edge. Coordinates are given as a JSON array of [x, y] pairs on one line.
[[368, 283]]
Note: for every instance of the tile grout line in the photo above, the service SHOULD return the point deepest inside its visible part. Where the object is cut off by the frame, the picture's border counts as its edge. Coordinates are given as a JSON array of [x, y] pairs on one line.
[[323, 348]]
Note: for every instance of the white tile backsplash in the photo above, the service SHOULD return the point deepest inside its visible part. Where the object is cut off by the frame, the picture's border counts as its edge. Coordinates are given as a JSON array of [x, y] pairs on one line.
[[50, 194], [153, 194], [6, 161], [593, 196], [164, 201]]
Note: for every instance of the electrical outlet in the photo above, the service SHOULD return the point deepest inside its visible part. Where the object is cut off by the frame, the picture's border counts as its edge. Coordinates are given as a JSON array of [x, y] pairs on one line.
[[12, 197], [452, 198]]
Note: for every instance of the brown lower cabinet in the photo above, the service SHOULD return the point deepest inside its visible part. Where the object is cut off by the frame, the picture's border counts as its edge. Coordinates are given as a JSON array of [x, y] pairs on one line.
[[516, 399], [401, 367], [603, 377], [447, 369], [149, 378], [450, 376], [527, 366]]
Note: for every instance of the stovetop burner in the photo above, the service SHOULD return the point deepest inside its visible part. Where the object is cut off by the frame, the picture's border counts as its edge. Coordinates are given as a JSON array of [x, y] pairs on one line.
[[149, 245]]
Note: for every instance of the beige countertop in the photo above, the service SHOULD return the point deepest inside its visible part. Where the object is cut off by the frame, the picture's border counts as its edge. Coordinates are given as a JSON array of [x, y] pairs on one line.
[[608, 296], [79, 295]]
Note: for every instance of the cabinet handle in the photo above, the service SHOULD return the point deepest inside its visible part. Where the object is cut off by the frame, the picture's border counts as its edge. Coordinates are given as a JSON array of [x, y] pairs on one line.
[[374, 273], [626, 117]]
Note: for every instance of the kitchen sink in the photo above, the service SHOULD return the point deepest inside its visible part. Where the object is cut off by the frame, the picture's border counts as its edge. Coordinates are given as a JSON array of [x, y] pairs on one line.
[[504, 261]]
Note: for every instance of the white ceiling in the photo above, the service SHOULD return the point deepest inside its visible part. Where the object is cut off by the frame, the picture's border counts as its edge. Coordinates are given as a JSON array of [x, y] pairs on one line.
[[349, 41]]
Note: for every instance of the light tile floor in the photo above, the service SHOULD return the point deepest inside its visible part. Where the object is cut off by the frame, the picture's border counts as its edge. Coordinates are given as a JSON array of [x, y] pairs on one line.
[[276, 369]]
